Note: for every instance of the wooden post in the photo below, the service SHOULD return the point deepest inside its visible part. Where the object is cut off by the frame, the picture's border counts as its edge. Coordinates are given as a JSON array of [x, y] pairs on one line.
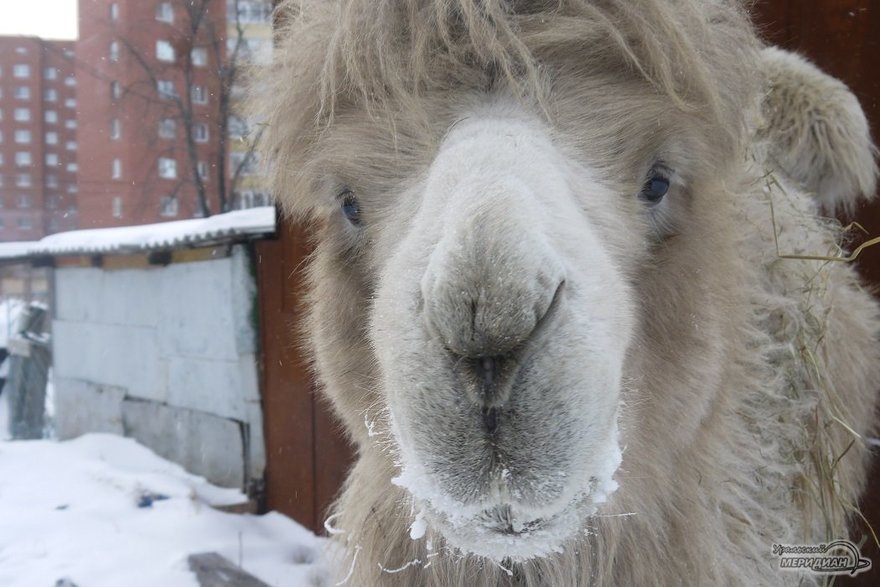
[[306, 454]]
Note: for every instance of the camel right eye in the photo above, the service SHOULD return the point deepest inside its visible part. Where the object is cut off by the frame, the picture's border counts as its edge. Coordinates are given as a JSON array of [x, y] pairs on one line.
[[655, 189], [351, 209]]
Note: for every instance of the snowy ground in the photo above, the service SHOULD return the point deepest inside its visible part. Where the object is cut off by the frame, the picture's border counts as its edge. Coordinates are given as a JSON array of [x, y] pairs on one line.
[[105, 511]]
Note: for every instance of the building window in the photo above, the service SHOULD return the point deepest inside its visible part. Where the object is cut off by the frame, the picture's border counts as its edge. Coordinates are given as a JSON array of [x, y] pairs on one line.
[[116, 207], [200, 132], [50, 95], [23, 201], [51, 116], [116, 172], [250, 199], [71, 124], [165, 12], [70, 145], [51, 138], [22, 93], [72, 188], [50, 73], [53, 201], [114, 51], [23, 180], [23, 159], [255, 50], [237, 127], [114, 12], [164, 51], [199, 56], [51, 181], [52, 159], [21, 50], [115, 129], [24, 222], [255, 11], [22, 114], [72, 167], [21, 70], [165, 88], [203, 170], [167, 168], [167, 128], [70, 81], [23, 137], [115, 90], [199, 95], [243, 163], [168, 206], [70, 102]]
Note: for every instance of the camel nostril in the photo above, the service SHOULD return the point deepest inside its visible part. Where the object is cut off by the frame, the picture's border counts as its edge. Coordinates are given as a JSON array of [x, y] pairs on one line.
[[490, 419]]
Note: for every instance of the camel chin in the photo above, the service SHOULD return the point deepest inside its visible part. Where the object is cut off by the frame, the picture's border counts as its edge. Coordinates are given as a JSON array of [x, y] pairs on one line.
[[501, 529]]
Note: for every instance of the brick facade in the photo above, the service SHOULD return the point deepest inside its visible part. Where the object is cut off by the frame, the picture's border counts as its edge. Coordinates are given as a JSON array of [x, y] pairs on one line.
[[132, 57], [38, 138]]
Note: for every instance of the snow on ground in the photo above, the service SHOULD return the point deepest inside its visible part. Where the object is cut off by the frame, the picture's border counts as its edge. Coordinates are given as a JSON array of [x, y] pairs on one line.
[[102, 510]]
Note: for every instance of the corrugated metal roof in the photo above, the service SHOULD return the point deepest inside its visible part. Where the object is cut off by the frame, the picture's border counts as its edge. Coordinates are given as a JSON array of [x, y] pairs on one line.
[[149, 237]]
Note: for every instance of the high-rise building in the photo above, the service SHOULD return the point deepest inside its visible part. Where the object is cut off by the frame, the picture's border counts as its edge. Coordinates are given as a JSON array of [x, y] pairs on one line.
[[249, 25], [38, 138], [153, 92]]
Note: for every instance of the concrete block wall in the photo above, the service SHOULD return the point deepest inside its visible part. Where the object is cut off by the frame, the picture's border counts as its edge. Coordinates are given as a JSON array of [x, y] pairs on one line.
[[166, 355]]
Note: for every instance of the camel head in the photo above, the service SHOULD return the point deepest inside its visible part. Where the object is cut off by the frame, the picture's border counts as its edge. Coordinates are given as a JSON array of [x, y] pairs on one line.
[[514, 294]]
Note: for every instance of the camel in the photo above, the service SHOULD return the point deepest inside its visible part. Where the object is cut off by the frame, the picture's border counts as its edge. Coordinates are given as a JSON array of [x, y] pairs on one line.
[[575, 295]]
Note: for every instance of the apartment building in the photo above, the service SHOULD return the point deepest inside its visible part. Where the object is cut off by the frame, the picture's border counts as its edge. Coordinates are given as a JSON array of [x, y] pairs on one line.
[[151, 85], [38, 138]]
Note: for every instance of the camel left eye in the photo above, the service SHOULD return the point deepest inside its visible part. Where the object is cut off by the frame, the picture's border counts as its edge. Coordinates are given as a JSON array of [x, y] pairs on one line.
[[351, 209], [654, 189]]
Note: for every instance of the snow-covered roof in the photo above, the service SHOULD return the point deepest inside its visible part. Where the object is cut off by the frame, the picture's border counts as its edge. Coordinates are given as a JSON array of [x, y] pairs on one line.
[[149, 237], [16, 250]]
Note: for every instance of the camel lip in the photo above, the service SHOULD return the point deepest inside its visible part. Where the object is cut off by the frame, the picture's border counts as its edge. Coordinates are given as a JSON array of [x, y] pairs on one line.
[[502, 521], [502, 533]]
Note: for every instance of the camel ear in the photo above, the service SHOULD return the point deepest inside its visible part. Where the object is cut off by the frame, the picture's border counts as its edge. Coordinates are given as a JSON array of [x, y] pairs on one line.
[[816, 131]]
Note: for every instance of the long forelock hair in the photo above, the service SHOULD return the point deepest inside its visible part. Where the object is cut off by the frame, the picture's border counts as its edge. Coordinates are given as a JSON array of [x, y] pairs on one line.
[[389, 57]]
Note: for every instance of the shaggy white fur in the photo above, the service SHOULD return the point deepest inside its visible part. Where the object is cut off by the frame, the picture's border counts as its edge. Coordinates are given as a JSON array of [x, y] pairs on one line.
[[564, 297]]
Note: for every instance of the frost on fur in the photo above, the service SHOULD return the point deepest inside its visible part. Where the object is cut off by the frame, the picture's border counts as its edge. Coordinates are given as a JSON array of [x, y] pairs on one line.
[[546, 299]]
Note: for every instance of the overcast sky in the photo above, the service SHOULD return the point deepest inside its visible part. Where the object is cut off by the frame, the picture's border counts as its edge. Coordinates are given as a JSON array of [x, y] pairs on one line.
[[51, 19]]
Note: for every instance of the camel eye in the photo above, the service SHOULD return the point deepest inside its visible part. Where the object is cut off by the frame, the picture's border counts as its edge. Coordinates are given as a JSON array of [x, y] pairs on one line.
[[654, 189], [351, 209]]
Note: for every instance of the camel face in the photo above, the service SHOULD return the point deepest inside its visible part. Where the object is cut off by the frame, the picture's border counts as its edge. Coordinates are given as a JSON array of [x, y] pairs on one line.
[[501, 323]]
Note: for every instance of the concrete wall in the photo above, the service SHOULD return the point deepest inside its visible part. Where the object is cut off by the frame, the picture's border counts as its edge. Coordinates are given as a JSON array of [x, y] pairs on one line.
[[166, 355]]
